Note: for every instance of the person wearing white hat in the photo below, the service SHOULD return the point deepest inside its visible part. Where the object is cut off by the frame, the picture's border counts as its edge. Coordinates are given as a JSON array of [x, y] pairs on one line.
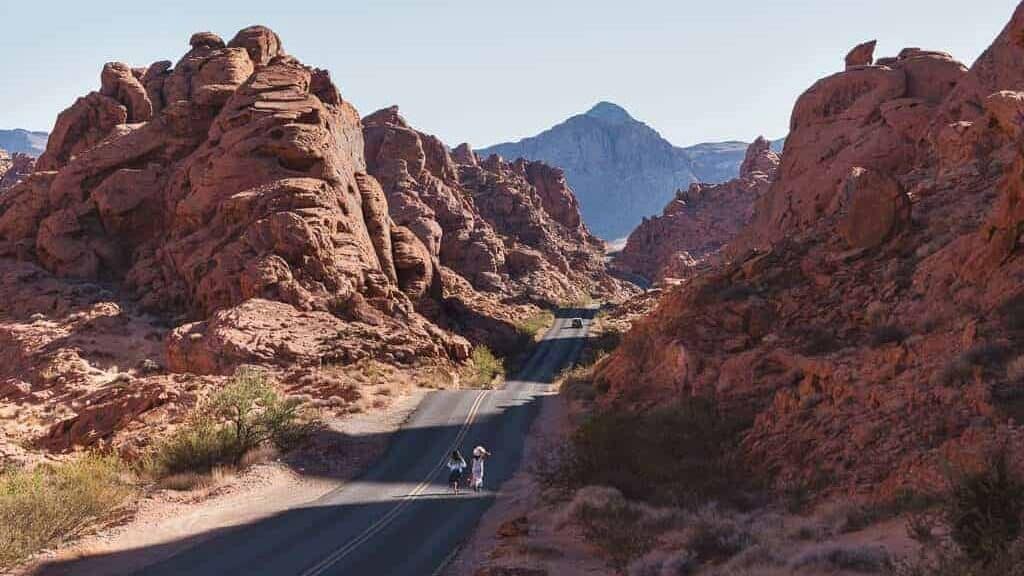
[[479, 454]]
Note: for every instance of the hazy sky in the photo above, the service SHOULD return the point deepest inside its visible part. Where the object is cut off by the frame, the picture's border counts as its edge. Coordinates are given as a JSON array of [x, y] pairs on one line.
[[486, 71]]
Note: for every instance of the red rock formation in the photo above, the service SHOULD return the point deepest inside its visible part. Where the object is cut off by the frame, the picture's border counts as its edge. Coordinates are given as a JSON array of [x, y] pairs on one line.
[[870, 316], [861, 55], [14, 168], [506, 228], [236, 175], [699, 221]]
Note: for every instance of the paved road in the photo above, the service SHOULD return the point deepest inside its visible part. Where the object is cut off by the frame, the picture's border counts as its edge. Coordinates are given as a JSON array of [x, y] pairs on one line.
[[398, 518]]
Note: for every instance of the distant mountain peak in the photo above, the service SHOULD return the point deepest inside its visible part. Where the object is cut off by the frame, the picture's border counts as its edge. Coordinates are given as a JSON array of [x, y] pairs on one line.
[[610, 112]]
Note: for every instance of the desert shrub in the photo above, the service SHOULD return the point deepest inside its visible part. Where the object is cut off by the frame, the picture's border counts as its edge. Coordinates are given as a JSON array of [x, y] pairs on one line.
[[888, 334], [535, 324], [45, 505], [483, 368], [713, 537], [244, 415], [985, 508], [985, 357], [677, 455], [977, 530], [862, 558], [617, 528]]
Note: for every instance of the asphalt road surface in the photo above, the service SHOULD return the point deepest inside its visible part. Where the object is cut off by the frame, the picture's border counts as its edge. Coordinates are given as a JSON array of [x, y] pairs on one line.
[[399, 518]]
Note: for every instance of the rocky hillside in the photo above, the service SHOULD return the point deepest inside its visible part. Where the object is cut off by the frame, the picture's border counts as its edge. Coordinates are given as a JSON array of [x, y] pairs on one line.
[[699, 221], [188, 218], [871, 317], [621, 168], [23, 141]]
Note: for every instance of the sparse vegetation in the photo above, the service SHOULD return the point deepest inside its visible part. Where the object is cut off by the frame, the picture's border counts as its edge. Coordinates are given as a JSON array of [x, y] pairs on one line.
[[48, 504], [677, 455], [484, 368], [535, 324], [245, 415], [978, 530], [613, 525]]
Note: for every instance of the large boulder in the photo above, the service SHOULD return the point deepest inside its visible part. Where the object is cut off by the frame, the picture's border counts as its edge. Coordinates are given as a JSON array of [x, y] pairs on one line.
[[875, 208]]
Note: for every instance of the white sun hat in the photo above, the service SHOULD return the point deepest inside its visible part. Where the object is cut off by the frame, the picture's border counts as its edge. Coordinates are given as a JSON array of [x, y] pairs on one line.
[[480, 451]]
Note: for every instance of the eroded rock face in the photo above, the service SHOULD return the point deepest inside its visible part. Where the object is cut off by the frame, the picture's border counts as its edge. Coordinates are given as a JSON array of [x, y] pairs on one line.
[[235, 176], [699, 221], [506, 228], [870, 314]]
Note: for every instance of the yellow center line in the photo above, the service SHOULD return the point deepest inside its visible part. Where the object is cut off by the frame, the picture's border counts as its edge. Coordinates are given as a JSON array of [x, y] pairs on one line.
[[382, 523]]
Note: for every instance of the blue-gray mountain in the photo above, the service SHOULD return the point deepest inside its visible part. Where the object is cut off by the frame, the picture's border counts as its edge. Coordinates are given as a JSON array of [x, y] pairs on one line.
[[620, 168], [23, 141]]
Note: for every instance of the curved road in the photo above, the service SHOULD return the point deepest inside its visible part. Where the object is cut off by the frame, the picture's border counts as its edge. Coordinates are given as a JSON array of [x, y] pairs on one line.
[[398, 518]]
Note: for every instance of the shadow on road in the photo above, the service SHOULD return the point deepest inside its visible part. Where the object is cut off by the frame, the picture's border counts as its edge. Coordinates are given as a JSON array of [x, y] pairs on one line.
[[291, 541]]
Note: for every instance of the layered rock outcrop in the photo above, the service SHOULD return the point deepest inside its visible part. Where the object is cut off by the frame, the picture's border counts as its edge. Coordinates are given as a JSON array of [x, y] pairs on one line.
[[508, 229], [699, 221], [869, 318]]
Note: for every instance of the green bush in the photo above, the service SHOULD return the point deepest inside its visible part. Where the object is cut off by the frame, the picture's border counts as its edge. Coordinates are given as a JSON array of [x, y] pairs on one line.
[[50, 503], [244, 415], [484, 368], [677, 455], [536, 324]]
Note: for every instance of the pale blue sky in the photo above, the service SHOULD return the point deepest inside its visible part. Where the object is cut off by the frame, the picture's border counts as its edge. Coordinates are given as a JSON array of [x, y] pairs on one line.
[[489, 71]]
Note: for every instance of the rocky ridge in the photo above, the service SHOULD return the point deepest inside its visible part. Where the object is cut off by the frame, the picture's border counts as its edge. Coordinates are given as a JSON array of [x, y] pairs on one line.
[[695, 225], [869, 317], [621, 169]]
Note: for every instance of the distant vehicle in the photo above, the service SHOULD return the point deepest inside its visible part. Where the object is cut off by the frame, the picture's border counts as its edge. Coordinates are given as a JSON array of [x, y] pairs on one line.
[[577, 322]]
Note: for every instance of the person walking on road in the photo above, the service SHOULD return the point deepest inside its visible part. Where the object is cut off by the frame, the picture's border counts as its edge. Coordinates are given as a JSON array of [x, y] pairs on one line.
[[456, 466], [479, 454]]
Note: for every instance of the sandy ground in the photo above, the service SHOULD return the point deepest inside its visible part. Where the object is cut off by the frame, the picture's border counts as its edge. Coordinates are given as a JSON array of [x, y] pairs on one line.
[[165, 522]]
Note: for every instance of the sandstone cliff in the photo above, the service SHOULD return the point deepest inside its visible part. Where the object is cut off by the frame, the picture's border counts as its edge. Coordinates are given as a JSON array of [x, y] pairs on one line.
[[700, 220], [870, 315]]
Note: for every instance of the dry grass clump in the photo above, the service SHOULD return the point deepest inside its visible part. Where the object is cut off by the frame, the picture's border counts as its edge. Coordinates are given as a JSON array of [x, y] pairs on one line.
[[43, 506], [246, 415]]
